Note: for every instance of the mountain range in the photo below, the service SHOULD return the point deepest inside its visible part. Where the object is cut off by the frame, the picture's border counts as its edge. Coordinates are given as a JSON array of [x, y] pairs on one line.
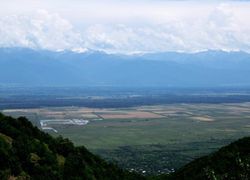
[[28, 67]]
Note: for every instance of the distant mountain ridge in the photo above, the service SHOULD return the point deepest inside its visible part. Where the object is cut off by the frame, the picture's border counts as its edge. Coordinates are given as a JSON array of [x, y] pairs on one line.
[[29, 67]]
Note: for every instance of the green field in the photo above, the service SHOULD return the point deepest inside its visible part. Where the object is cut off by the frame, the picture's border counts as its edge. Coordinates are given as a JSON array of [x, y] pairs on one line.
[[149, 139]]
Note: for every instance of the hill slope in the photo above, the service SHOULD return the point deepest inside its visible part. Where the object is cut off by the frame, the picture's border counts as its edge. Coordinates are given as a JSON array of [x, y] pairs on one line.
[[229, 162], [28, 153]]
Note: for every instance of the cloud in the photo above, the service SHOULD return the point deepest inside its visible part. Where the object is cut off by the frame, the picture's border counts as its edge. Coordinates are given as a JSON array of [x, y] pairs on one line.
[[222, 29], [43, 30]]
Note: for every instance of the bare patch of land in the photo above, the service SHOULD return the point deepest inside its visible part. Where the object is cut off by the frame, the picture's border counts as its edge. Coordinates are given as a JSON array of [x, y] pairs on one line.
[[202, 118], [130, 115]]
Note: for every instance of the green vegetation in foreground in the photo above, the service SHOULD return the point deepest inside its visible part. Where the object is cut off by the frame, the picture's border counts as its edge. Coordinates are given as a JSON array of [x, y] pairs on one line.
[[158, 159], [157, 145], [28, 153], [230, 162], [149, 145]]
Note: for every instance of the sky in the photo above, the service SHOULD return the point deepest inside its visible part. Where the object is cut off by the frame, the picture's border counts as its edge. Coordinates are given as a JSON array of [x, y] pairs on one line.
[[127, 26]]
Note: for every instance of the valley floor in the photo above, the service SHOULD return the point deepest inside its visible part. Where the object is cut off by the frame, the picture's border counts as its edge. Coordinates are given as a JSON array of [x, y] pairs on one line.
[[146, 139]]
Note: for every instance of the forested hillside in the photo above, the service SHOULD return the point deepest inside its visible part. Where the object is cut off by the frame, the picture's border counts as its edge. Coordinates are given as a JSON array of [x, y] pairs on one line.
[[28, 153], [229, 162]]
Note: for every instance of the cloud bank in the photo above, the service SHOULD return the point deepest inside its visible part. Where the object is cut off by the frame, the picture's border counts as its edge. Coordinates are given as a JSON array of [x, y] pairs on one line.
[[223, 27], [40, 31]]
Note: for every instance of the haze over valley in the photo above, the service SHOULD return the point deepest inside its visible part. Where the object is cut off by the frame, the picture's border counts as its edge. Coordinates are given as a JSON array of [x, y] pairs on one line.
[[124, 90]]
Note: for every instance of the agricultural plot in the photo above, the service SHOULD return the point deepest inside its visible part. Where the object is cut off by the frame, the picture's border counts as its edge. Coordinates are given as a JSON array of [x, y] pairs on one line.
[[49, 123], [150, 139], [129, 115]]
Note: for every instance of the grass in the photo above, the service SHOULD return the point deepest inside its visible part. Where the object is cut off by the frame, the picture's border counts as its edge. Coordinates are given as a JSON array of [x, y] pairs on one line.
[[180, 134]]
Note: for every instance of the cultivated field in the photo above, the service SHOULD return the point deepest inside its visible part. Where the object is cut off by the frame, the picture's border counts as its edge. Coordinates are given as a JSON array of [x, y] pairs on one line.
[[154, 139]]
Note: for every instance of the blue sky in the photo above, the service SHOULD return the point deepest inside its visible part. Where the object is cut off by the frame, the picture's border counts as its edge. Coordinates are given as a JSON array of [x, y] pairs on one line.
[[117, 26]]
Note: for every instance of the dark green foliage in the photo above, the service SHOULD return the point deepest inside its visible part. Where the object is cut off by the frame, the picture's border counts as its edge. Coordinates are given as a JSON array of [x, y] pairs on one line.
[[230, 162], [28, 153]]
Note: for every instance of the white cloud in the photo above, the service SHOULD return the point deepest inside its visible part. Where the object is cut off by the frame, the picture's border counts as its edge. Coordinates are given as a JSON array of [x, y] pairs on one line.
[[43, 30], [219, 30], [223, 26]]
